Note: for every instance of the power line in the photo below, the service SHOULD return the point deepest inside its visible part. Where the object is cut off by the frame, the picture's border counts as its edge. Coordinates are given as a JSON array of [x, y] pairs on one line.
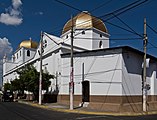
[[68, 5], [120, 27], [152, 45], [109, 14], [124, 9], [109, 39], [102, 5], [152, 28], [127, 25], [81, 10]]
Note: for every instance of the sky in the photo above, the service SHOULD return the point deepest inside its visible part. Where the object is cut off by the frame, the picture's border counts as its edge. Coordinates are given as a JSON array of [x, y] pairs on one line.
[[24, 19]]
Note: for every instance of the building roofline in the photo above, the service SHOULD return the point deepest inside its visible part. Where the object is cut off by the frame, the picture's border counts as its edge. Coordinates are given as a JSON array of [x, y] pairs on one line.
[[113, 48]]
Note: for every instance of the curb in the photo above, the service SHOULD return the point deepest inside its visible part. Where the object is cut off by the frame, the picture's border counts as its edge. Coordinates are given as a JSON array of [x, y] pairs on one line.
[[88, 112]]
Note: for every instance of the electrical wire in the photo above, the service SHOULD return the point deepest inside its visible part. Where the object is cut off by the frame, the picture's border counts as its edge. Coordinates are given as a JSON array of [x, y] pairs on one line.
[[127, 26], [120, 27], [108, 38], [151, 28], [126, 8], [102, 5], [114, 12], [68, 5]]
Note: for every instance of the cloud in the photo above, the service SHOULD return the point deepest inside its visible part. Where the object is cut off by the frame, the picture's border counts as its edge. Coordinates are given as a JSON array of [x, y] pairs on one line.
[[12, 15], [10, 20], [16, 3], [5, 47]]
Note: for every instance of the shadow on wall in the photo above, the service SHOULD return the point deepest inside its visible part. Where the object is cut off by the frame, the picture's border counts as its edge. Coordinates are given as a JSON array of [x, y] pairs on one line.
[[133, 63]]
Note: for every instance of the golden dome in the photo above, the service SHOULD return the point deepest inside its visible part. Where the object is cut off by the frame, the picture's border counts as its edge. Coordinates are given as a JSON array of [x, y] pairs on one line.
[[28, 44], [84, 21]]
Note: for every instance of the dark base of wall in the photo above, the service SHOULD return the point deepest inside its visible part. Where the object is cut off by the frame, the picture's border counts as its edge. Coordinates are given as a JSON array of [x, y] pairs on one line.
[[113, 103]]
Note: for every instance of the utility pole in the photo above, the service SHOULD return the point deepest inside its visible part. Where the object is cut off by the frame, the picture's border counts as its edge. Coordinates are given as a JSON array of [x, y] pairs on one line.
[[144, 69], [71, 69], [40, 77]]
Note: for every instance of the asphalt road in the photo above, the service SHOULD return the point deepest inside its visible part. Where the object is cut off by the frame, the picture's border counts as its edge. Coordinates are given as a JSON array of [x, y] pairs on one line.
[[18, 111]]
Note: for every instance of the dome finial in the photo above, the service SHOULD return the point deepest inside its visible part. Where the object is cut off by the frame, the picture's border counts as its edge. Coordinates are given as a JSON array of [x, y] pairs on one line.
[[85, 11], [30, 39]]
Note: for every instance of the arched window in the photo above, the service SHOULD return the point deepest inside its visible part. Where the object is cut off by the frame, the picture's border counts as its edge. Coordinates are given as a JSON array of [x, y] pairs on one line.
[[17, 55], [100, 44], [28, 53]]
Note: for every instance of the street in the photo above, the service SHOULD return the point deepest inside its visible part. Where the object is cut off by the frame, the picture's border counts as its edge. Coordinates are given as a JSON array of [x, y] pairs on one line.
[[18, 111]]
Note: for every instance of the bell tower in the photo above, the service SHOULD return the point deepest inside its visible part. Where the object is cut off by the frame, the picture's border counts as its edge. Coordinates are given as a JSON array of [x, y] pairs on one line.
[[90, 33]]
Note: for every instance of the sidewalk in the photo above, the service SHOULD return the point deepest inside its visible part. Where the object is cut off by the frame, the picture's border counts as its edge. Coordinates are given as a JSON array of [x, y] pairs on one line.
[[82, 110]]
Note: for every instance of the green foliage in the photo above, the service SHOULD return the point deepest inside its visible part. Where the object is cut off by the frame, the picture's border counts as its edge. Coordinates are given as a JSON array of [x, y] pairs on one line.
[[7, 86], [29, 81]]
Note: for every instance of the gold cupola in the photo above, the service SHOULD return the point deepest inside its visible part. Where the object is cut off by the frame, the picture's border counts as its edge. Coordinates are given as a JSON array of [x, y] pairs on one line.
[[84, 20], [28, 44]]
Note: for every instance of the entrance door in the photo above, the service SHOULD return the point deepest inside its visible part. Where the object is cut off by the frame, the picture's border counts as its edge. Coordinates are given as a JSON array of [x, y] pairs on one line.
[[85, 91]]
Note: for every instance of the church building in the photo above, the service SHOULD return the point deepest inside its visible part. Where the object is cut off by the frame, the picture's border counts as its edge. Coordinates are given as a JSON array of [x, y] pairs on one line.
[[108, 79]]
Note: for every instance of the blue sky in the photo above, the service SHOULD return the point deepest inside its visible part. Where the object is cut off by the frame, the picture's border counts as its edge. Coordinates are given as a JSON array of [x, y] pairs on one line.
[[24, 19], [50, 16]]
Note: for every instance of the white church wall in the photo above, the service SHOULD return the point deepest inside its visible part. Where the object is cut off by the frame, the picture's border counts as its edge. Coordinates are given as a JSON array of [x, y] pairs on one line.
[[19, 56], [48, 45], [103, 72], [10, 77], [9, 66], [28, 57], [100, 40], [88, 39], [154, 76], [51, 64], [151, 78], [83, 40], [131, 73]]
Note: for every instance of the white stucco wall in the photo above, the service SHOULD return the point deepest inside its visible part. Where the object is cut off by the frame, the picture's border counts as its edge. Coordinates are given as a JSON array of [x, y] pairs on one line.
[[132, 74], [132, 69], [103, 72], [89, 40], [100, 36]]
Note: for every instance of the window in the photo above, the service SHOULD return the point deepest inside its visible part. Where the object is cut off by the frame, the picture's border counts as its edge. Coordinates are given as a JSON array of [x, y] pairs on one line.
[[100, 35], [83, 32], [28, 53], [17, 55], [20, 53], [45, 44], [67, 37], [100, 44]]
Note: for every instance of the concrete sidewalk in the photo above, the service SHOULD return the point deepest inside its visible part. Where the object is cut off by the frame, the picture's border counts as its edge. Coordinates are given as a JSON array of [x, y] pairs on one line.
[[82, 110]]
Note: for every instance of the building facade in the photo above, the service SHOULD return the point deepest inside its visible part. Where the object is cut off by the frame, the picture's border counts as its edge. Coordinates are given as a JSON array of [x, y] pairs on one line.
[[108, 79]]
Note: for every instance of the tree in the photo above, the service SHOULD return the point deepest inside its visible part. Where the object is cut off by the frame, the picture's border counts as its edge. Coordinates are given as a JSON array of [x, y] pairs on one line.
[[18, 85], [29, 80], [7, 86]]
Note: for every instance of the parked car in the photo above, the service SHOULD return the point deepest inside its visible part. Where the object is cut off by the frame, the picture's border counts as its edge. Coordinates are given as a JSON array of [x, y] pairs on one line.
[[7, 96]]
